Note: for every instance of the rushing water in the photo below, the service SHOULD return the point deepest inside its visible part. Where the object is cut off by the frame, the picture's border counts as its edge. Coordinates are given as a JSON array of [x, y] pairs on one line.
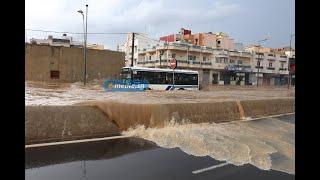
[[266, 144], [71, 93]]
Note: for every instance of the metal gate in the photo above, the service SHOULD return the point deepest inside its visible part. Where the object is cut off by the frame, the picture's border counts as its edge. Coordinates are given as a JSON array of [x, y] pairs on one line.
[[205, 77]]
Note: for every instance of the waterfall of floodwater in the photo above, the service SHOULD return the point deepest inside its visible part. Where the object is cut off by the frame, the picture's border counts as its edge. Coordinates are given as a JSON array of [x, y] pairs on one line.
[[266, 144]]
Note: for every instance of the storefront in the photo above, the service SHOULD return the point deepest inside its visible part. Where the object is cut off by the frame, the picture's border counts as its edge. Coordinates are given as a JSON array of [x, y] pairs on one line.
[[268, 79], [238, 74]]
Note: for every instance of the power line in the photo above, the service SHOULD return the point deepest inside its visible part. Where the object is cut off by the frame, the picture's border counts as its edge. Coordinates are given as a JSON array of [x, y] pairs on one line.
[[74, 32], [149, 37]]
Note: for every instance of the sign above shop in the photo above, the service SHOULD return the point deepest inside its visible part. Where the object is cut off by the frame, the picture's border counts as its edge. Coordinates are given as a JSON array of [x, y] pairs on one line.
[[238, 68]]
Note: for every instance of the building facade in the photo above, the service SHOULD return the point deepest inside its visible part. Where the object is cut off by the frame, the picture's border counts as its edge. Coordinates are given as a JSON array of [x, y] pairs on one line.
[[217, 58], [140, 42], [66, 64], [215, 65], [65, 41], [273, 69]]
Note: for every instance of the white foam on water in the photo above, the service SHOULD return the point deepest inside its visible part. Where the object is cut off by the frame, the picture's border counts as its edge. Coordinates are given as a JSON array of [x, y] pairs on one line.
[[266, 144]]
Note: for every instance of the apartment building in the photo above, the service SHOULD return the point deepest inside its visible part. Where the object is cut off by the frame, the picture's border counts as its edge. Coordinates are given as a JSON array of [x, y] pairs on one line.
[[215, 65], [140, 42], [214, 55], [273, 69]]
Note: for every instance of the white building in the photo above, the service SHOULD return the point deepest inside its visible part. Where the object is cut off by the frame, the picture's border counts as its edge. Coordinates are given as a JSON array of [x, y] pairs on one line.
[[66, 41], [141, 42], [273, 69]]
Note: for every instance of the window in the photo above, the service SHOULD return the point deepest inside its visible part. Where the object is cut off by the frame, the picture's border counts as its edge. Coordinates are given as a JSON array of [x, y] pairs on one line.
[[258, 63], [226, 60], [186, 79], [218, 60], [55, 74], [196, 42], [173, 55], [232, 61], [204, 58], [191, 57], [270, 64], [218, 42], [282, 64], [240, 62], [60, 41], [149, 57]]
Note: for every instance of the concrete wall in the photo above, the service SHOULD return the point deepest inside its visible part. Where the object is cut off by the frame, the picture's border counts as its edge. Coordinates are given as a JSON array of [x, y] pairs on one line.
[[58, 123], [69, 61], [97, 118]]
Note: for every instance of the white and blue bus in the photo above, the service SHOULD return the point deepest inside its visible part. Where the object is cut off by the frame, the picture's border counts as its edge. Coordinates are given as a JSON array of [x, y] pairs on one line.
[[161, 79]]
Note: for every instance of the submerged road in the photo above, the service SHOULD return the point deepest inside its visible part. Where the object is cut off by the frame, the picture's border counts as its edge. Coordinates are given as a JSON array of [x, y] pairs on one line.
[[134, 158]]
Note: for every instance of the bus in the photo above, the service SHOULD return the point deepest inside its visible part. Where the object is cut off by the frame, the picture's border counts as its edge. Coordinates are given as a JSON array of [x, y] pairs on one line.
[[162, 79]]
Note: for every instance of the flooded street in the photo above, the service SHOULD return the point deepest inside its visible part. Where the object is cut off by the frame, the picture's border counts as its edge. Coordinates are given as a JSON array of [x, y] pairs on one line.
[[185, 152], [71, 93], [266, 145]]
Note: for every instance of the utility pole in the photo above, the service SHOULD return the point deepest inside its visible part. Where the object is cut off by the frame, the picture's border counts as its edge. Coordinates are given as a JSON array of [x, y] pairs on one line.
[[85, 47], [259, 61], [85, 27], [167, 50], [289, 75], [132, 50], [132, 54]]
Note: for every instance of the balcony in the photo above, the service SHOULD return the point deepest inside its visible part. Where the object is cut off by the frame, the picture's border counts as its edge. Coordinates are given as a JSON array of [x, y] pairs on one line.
[[205, 49], [270, 68], [240, 54], [246, 54], [206, 63], [234, 53], [194, 48], [141, 62], [259, 67], [151, 50], [193, 63], [182, 62], [282, 69], [271, 57], [283, 59], [142, 51]]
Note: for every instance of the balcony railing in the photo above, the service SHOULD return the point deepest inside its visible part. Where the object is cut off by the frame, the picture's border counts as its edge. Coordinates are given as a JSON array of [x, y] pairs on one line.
[[193, 62], [270, 68], [259, 67], [282, 69], [206, 63], [152, 61], [182, 61]]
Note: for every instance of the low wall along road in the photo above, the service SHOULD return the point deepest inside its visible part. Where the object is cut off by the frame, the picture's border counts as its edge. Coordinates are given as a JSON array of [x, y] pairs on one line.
[[107, 118]]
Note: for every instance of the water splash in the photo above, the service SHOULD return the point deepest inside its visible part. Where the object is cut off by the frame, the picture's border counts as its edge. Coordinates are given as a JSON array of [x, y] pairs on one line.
[[266, 144]]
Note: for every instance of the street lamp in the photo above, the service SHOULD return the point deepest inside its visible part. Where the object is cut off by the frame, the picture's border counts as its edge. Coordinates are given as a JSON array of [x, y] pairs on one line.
[[85, 28], [259, 60], [289, 75]]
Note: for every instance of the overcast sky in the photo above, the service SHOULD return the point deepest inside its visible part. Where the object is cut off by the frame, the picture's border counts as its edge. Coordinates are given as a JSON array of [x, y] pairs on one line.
[[245, 21]]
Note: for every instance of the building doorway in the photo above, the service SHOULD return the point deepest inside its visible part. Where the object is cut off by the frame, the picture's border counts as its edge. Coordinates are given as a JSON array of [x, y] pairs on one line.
[[205, 77], [215, 79]]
